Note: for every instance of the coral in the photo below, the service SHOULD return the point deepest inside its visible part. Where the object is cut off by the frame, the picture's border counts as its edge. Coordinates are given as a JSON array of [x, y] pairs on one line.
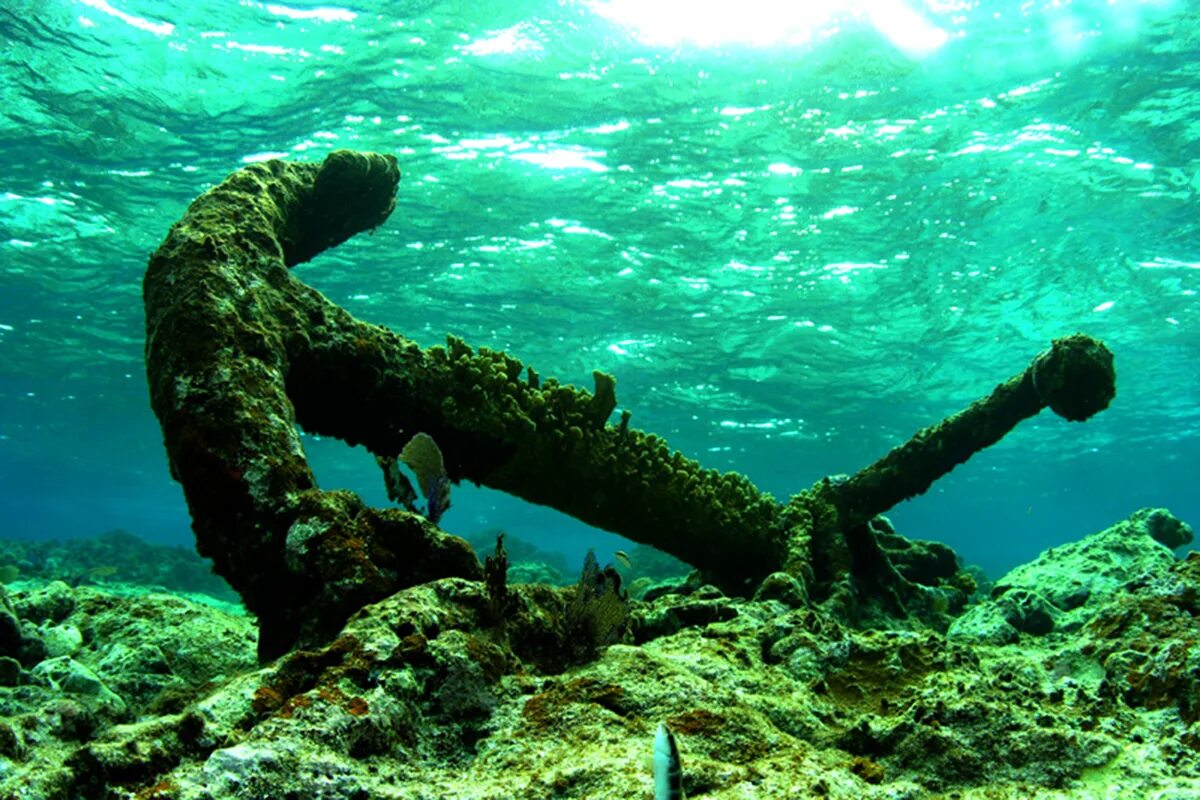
[[604, 399], [110, 558], [1064, 588], [596, 613], [423, 695], [495, 578], [1146, 640], [424, 458]]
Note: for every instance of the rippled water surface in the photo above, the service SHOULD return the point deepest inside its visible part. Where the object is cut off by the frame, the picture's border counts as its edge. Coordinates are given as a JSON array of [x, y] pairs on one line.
[[794, 240]]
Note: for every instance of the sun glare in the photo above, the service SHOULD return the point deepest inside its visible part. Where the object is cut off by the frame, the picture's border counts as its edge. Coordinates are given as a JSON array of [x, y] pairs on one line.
[[764, 23]]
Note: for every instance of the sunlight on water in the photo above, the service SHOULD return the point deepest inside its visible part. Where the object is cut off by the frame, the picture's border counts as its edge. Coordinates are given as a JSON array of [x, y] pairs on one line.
[[796, 232], [1060, 29], [770, 22], [159, 28]]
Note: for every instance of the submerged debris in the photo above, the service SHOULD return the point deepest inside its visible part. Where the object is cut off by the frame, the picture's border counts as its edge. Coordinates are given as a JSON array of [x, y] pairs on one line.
[[229, 417]]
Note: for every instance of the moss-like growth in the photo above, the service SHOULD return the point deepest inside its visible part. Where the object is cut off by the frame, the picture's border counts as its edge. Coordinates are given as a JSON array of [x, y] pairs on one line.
[[239, 352], [1075, 377]]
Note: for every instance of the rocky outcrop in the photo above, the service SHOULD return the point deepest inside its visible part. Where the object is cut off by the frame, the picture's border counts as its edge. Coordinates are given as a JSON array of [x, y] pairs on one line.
[[428, 693], [1065, 587]]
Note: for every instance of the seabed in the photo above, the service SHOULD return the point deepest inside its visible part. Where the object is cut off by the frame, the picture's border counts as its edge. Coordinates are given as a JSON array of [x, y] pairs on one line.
[[1073, 676]]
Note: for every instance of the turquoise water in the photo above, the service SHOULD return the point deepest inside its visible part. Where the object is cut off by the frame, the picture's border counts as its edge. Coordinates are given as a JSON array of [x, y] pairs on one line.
[[793, 248]]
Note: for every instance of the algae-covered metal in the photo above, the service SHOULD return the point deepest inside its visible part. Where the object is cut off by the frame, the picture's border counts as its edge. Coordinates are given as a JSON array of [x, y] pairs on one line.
[[239, 352]]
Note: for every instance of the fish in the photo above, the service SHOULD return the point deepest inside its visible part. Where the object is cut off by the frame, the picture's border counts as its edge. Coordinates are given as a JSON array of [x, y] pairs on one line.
[[668, 771], [623, 559]]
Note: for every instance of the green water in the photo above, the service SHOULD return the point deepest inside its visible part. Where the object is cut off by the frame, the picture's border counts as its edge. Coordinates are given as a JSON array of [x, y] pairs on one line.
[[791, 253]]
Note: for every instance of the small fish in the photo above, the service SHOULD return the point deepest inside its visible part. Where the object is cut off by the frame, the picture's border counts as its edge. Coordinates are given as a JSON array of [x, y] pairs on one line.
[[668, 772], [623, 559], [93, 574]]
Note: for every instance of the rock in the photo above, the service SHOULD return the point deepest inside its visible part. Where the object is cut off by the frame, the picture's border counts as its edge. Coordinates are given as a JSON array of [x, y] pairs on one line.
[[33, 649], [69, 676], [782, 587], [11, 746], [1028, 612], [61, 640], [1146, 641], [10, 671], [72, 720], [10, 633], [52, 602], [159, 643], [424, 694], [1063, 587], [1162, 527]]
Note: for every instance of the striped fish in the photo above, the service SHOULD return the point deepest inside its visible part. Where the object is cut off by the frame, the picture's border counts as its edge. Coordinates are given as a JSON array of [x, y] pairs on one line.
[[668, 773]]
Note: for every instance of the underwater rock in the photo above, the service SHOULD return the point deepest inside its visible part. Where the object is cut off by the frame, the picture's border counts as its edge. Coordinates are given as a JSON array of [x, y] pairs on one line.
[[158, 650], [114, 557], [60, 640], [782, 587], [1147, 641], [1163, 527], [1063, 588], [10, 633], [53, 602], [535, 572], [85, 676], [424, 695], [69, 676], [1003, 620], [10, 671]]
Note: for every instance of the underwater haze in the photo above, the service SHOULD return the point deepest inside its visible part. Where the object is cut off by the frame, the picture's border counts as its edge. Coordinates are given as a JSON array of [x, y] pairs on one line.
[[795, 236]]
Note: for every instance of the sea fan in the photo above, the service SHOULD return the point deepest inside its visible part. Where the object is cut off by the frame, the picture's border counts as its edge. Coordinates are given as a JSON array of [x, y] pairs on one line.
[[424, 458]]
